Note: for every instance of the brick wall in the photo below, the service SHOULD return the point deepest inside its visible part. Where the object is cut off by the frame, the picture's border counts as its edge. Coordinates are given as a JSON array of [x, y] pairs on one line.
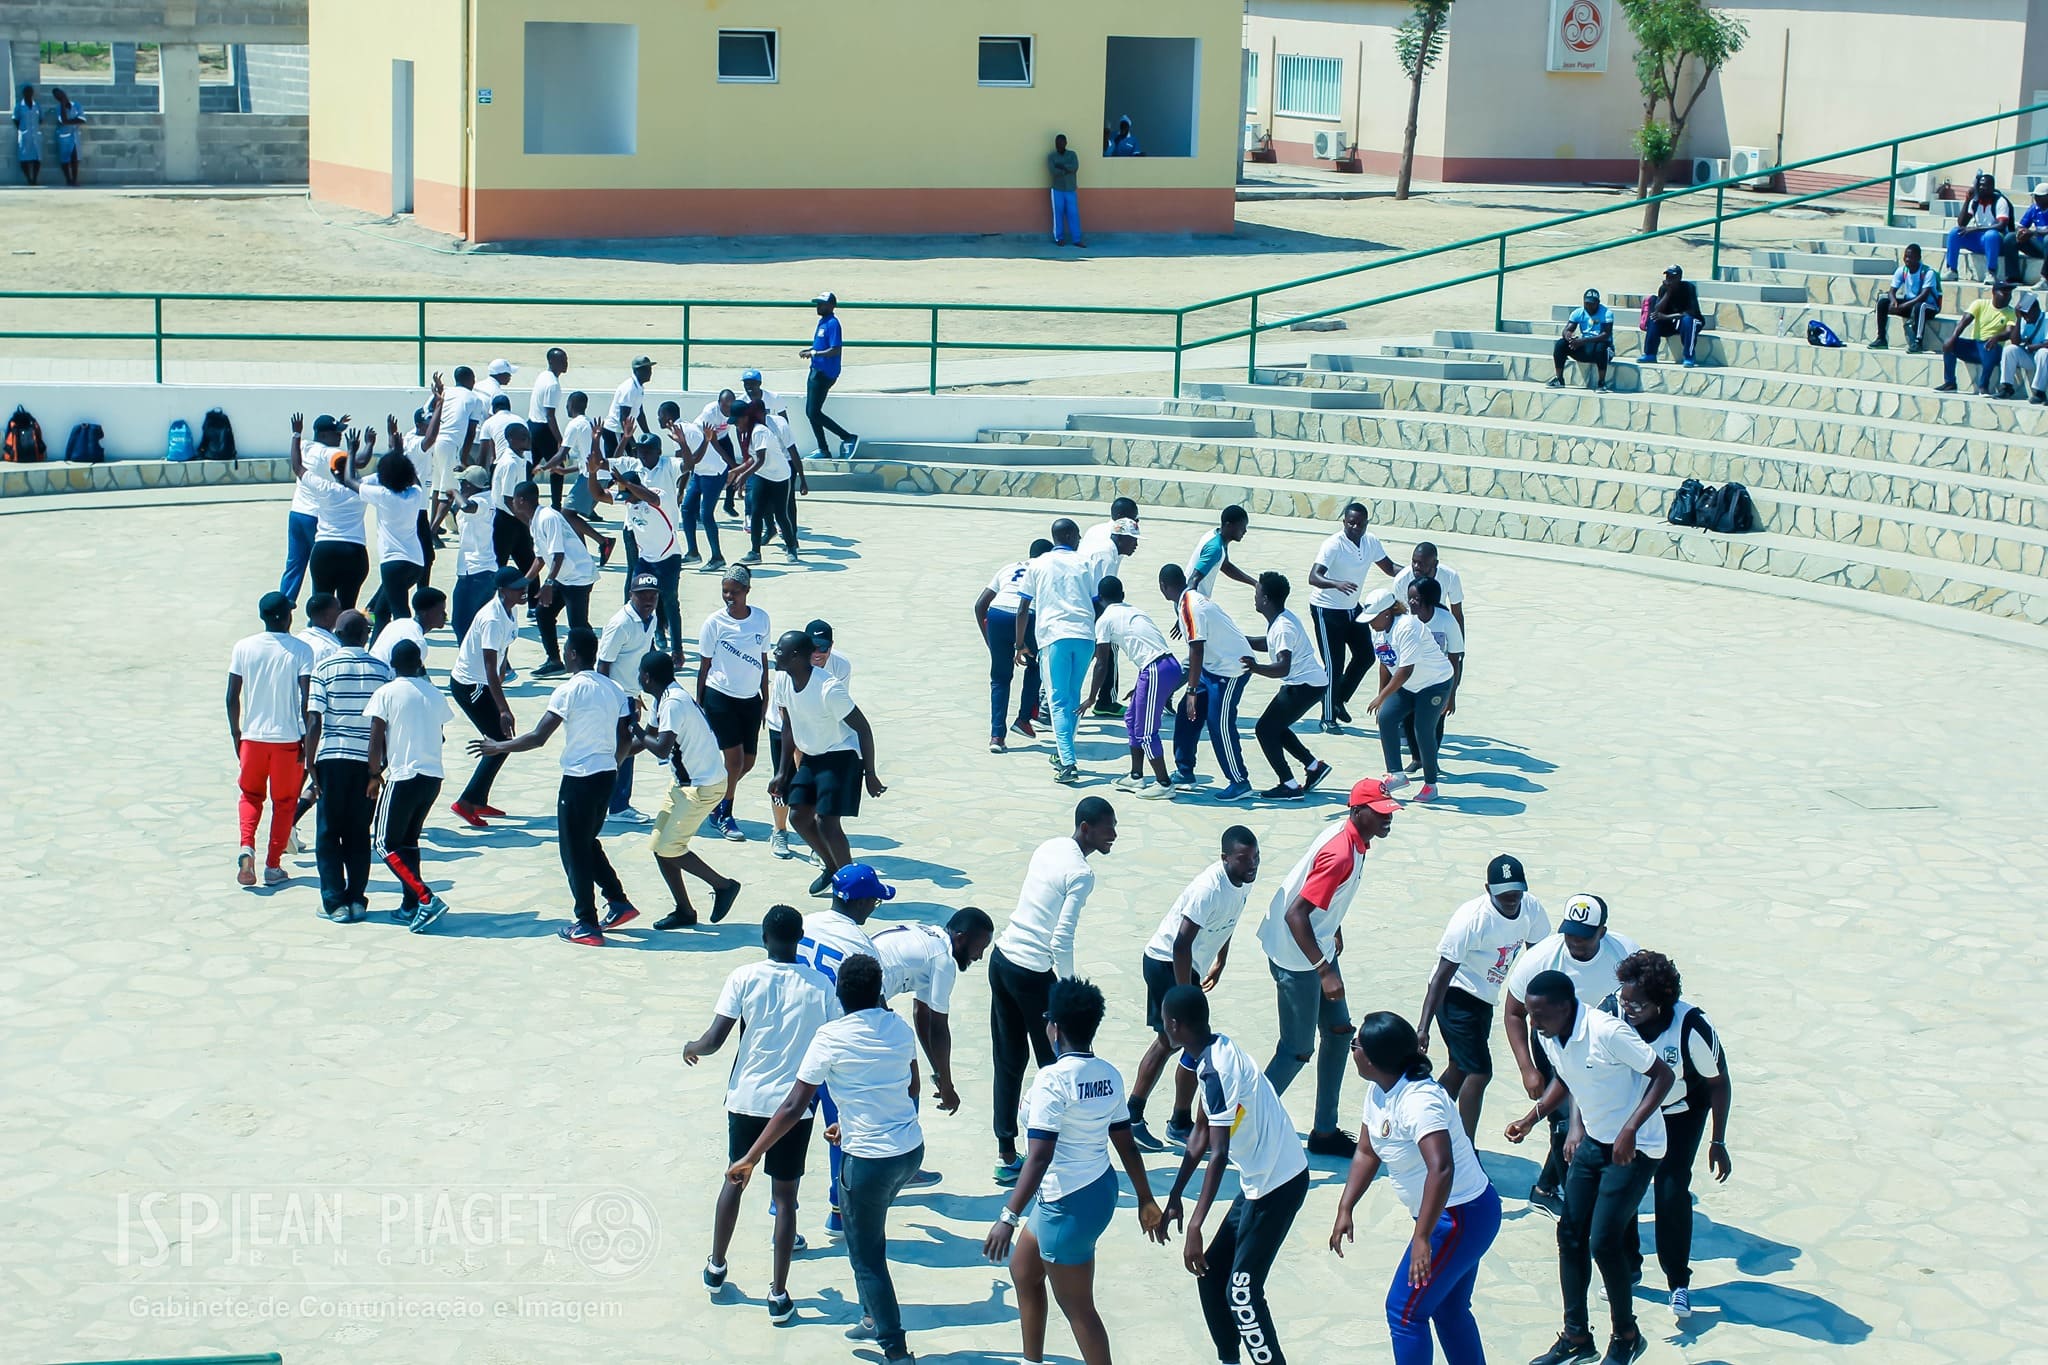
[[275, 79], [252, 149]]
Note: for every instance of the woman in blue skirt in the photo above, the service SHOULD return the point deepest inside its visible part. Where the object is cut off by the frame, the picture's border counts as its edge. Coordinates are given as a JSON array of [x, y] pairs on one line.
[[1411, 1130], [1075, 1113]]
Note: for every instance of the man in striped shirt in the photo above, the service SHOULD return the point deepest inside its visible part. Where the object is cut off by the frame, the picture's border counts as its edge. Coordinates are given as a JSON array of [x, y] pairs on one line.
[[338, 754]]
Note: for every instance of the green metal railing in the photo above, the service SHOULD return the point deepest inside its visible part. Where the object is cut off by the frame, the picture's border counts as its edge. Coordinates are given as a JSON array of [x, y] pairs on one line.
[[684, 318], [266, 1358]]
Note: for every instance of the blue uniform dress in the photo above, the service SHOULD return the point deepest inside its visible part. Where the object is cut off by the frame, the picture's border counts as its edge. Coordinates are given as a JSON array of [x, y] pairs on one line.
[[69, 117], [28, 131]]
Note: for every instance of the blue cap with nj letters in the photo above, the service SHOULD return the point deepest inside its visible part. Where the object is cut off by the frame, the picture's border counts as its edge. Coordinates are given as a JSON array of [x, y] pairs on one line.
[[859, 882], [1585, 915]]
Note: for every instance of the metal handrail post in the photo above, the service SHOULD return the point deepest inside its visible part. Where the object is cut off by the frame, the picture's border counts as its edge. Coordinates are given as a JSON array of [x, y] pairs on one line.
[[158, 310], [1891, 188], [1500, 285], [1179, 331], [932, 380], [421, 326], [1251, 353], [1714, 270], [685, 379]]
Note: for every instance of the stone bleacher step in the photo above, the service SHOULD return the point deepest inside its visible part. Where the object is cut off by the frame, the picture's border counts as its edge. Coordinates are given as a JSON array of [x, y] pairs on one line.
[[1399, 367], [1282, 396], [1820, 263], [1892, 240], [1155, 424], [959, 452], [1854, 323], [1748, 350], [1993, 602]]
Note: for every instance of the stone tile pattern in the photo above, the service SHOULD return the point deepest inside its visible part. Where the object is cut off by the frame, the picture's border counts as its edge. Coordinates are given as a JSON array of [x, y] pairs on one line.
[[31, 480]]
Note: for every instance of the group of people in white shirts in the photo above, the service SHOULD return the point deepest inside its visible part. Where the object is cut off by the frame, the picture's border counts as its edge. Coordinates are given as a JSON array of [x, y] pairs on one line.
[[1068, 603], [1629, 1076]]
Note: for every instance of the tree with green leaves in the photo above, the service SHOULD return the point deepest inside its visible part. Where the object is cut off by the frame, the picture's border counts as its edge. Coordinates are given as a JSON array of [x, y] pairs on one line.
[[1680, 44], [1418, 43]]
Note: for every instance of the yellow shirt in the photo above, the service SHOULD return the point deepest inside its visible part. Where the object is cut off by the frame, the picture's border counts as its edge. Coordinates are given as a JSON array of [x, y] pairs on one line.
[[1986, 319]]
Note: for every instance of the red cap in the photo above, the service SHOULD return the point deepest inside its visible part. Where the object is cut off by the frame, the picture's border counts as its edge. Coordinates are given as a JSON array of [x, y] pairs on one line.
[[1372, 792]]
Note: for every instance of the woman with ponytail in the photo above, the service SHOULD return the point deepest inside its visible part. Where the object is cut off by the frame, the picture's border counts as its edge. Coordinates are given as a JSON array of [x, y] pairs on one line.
[[1411, 1129]]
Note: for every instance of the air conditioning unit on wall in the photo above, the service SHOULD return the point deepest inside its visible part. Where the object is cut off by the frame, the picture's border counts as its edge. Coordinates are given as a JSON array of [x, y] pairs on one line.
[[1254, 135], [1331, 147], [1707, 169], [1915, 184], [1747, 164]]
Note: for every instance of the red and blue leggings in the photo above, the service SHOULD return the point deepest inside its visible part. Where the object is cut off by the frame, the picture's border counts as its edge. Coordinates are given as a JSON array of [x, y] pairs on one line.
[[1459, 1240]]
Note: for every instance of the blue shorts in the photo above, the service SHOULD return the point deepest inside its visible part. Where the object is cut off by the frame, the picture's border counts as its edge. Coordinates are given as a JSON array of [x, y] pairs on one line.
[[1068, 1228]]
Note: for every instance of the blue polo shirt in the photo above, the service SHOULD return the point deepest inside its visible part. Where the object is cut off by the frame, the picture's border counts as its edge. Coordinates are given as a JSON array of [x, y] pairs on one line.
[[1594, 325], [826, 338]]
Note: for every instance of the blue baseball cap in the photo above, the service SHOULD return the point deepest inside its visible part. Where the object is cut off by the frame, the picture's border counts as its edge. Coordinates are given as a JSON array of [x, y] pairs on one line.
[[859, 882], [746, 375]]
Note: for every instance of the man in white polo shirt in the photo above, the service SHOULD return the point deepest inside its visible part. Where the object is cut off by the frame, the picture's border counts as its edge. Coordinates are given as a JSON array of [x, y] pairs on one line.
[[596, 720], [1303, 935], [1035, 949], [267, 679], [1616, 1083], [926, 960], [625, 641], [563, 568], [1303, 682], [1056, 630], [497, 375], [828, 756], [1217, 675], [406, 718], [1191, 946], [1338, 576], [682, 737], [544, 417], [1587, 951], [629, 399], [1425, 564], [1478, 949]]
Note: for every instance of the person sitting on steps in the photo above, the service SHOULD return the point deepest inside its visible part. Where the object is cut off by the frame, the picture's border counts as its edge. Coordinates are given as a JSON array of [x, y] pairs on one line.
[[1588, 338]]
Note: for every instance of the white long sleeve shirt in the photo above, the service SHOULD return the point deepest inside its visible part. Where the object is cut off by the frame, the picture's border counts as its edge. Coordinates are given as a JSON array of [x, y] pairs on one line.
[[1040, 935]]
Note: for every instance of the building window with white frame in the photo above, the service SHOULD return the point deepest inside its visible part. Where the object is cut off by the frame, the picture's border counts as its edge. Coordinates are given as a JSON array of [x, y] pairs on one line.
[[746, 55], [1005, 61], [1308, 87], [1251, 82]]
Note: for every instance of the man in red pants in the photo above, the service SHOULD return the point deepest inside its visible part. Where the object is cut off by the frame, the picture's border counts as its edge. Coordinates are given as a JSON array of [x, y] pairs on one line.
[[267, 675]]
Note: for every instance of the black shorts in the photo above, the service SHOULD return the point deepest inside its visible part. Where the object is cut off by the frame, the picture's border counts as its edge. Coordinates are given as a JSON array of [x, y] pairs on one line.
[[829, 782], [541, 437], [785, 1160], [1159, 979], [735, 721], [1465, 1022]]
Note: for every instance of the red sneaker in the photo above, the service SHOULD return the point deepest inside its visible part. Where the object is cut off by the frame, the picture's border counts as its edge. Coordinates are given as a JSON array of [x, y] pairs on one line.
[[583, 932], [605, 546], [469, 815], [492, 812], [616, 914]]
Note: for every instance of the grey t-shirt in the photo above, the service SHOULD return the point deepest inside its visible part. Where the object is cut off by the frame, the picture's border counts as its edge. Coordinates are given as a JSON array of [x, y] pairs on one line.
[[1064, 167]]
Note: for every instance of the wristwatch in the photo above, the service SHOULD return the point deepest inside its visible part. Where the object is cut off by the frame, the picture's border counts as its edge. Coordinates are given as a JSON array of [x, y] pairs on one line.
[[1009, 1219]]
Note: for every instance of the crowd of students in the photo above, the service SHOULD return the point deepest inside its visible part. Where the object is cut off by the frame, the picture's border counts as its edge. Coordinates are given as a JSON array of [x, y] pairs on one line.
[[342, 718]]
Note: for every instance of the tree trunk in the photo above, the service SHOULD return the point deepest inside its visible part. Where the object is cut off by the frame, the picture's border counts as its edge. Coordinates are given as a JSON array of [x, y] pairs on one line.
[[1642, 163], [1407, 172], [1658, 175]]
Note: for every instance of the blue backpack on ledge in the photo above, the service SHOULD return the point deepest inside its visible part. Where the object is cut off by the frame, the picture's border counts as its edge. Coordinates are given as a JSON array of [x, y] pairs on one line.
[[178, 447]]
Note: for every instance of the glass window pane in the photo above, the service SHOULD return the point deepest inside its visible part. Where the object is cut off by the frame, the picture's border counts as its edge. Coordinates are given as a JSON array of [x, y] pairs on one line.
[[746, 55], [1005, 61]]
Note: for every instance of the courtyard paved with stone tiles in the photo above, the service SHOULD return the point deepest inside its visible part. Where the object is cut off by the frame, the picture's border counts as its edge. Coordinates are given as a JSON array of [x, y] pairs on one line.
[[230, 1125]]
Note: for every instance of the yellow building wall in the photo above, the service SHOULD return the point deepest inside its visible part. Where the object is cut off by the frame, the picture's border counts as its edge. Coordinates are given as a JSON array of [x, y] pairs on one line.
[[1374, 113], [875, 123], [353, 44]]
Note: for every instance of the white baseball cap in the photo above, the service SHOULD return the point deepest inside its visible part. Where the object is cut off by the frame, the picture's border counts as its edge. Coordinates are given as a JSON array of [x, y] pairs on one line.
[[500, 366]]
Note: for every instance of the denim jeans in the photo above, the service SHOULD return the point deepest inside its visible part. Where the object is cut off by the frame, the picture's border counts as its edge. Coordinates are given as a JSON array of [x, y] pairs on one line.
[[300, 528], [1066, 668], [1066, 216], [473, 593], [1598, 1228], [1310, 1025], [1426, 708], [1002, 667], [1989, 241], [1684, 326], [867, 1186], [700, 507], [1982, 354]]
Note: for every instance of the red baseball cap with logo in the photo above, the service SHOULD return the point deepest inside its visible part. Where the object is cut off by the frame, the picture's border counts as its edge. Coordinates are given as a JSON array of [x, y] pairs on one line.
[[1373, 792]]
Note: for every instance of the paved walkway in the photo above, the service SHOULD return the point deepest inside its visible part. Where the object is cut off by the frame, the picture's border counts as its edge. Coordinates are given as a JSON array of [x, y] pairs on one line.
[[482, 1146]]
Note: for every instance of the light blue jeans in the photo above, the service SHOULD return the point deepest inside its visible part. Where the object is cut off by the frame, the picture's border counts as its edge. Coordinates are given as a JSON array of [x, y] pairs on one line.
[[1065, 664], [1066, 216]]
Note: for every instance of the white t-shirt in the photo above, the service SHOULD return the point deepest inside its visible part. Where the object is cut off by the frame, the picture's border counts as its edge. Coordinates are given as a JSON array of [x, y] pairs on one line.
[[1592, 980], [829, 939], [1040, 934], [630, 396], [1286, 632], [1214, 904], [1485, 943], [321, 642], [401, 628], [1397, 1120], [1224, 646], [1060, 587], [1005, 584], [546, 395], [413, 711], [579, 434], [866, 1059], [836, 663], [398, 521], [270, 664], [697, 759], [507, 474], [1411, 644], [654, 528], [338, 507], [1122, 626], [1098, 543], [476, 552], [623, 644], [1234, 1093], [304, 499], [773, 455], [590, 705], [817, 714], [780, 1006], [1602, 1063], [1347, 563], [1077, 1101], [553, 535], [917, 958], [1333, 864], [1447, 579], [1445, 630], [738, 651], [488, 388], [493, 430]]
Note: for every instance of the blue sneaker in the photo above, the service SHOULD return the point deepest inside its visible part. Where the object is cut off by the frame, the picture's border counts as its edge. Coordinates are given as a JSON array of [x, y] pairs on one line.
[[1007, 1171], [1236, 791], [423, 918], [834, 1224], [921, 1179]]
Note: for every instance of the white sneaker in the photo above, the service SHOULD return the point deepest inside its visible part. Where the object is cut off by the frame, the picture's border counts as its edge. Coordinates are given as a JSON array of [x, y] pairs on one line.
[[1127, 783], [630, 816], [1681, 1304], [294, 844], [778, 844], [1393, 782], [1155, 791]]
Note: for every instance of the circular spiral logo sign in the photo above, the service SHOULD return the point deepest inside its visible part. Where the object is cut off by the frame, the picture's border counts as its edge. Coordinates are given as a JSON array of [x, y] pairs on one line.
[[614, 1234], [1583, 27]]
